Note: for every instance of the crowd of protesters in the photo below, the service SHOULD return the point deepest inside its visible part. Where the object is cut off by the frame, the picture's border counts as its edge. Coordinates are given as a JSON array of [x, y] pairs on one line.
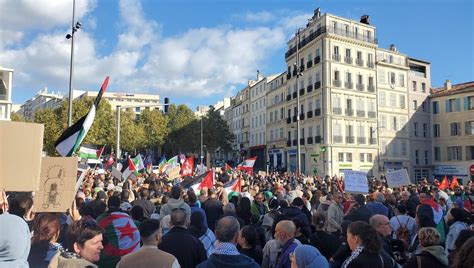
[[277, 220]]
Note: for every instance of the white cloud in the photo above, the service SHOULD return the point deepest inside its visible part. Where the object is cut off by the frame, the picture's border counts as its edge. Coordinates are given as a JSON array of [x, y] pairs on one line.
[[201, 62], [258, 17]]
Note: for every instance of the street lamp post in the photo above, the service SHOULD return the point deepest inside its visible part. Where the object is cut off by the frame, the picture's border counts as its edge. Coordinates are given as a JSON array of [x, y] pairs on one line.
[[202, 150], [298, 74], [75, 26]]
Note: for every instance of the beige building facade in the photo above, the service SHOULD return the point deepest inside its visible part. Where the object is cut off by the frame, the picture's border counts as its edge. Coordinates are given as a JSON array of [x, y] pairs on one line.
[[452, 110], [276, 124], [6, 82], [126, 99]]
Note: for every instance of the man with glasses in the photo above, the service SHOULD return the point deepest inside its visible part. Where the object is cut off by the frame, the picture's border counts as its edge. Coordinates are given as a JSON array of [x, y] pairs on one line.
[[335, 215]]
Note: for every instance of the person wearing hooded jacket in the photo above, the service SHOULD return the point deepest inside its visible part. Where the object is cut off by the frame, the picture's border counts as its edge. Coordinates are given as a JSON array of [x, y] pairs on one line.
[[225, 253], [175, 202], [457, 221], [431, 254], [306, 256]]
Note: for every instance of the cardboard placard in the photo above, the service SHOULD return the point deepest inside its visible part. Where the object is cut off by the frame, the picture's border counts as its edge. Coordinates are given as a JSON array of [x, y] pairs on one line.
[[81, 174], [173, 173], [21, 146], [116, 173], [57, 184], [398, 178], [262, 173], [355, 182]]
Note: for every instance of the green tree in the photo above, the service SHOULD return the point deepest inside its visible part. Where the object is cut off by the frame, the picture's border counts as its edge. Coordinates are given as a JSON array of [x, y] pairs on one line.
[[132, 134], [155, 126], [216, 132], [181, 137], [17, 118], [52, 130]]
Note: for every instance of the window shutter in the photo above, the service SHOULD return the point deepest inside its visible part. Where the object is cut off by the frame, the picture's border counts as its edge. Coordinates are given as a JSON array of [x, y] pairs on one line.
[[467, 128], [458, 104], [447, 108], [466, 103], [459, 128]]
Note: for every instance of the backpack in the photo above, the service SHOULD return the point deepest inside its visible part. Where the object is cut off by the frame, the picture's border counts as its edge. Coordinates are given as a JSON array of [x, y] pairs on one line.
[[402, 232]]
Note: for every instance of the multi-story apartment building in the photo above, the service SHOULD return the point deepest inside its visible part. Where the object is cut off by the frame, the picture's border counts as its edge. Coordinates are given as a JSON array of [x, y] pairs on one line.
[[452, 109], [245, 115], [276, 125], [337, 95], [219, 106], [392, 110], [42, 100], [419, 125], [257, 136], [6, 80]]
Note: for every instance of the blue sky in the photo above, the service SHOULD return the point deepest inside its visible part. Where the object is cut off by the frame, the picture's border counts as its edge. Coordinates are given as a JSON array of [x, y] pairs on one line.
[[197, 52]]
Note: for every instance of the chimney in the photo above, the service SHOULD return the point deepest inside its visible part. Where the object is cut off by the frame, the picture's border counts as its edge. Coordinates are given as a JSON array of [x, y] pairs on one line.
[[259, 75], [365, 19], [447, 84], [317, 13]]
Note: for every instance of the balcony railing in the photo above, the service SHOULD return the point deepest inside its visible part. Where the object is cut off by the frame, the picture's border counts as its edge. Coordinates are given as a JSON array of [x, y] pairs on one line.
[[371, 114], [373, 141], [288, 97], [310, 140], [294, 72], [360, 113], [350, 139], [294, 95], [371, 88], [370, 64], [309, 64], [348, 60], [360, 87], [349, 112], [361, 140], [337, 110], [317, 139], [309, 88], [302, 141], [317, 60], [317, 112], [349, 85], [360, 62], [294, 118], [3, 97], [294, 142], [337, 139], [336, 57], [336, 83], [288, 143], [288, 120], [301, 91], [317, 85], [310, 114]]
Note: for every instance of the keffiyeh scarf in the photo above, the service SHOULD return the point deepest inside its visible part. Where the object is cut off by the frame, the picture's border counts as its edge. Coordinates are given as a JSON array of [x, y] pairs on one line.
[[354, 255]]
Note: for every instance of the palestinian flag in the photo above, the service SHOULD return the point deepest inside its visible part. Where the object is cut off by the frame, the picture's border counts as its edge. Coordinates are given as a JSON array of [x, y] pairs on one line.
[[247, 165], [228, 169], [72, 137], [207, 182], [128, 168], [110, 161], [121, 237], [234, 186], [90, 151]]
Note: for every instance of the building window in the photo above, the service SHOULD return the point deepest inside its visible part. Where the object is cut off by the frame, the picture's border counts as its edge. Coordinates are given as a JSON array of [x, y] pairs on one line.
[[470, 152], [436, 130], [402, 101], [383, 121], [341, 157], [417, 161], [469, 103], [455, 129], [393, 100], [423, 87], [348, 157], [435, 107], [401, 80], [392, 78], [382, 98], [369, 157], [453, 105], [469, 127], [415, 129], [336, 50], [426, 157], [362, 157], [394, 123], [425, 130], [437, 154], [404, 148], [413, 86], [415, 105], [455, 153]]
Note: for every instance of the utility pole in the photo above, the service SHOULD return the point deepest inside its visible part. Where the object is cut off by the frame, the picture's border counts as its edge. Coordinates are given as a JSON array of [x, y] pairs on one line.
[[298, 73], [71, 65]]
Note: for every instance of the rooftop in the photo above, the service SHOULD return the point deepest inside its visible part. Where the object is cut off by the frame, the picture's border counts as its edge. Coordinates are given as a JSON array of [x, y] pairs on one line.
[[452, 89]]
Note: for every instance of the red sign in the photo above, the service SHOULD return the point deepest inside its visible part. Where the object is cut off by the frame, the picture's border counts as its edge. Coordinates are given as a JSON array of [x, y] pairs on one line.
[[471, 169]]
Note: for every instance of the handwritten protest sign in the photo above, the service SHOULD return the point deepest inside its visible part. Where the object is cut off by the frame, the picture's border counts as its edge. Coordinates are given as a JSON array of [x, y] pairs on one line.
[[355, 182], [397, 178], [57, 184], [173, 173], [21, 146]]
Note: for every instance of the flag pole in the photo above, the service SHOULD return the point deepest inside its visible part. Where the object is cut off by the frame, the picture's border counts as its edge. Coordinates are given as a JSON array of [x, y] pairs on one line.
[[101, 151]]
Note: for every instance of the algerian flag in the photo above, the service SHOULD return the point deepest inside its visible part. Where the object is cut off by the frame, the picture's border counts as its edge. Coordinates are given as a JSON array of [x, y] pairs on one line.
[[139, 165], [72, 137], [173, 162]]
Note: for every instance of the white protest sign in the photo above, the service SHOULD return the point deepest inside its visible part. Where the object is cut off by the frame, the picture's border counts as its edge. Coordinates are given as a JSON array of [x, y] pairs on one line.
[[397, 178], [116, 173], [355, 182]]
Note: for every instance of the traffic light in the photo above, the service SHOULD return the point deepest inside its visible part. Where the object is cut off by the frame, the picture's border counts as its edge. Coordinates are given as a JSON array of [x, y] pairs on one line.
[[167, 105]]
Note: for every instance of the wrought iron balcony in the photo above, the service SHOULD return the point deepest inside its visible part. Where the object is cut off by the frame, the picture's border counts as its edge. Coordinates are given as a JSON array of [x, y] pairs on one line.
[[317, 139], [294, 118], [302, 116], [309, 64], [373, 141], [302, 141], [310, 140], [361, 140], [360, 113], [348, 60], [294, 95], [349, 112], [337, 139], [350, 139], [360, 87], [336, 57], [371, 88], [288, 97], [317, 112], [309, 88], [317, 60], [336, 83], [371, 114], [370, 64], [288, 143], [360, 62], [288, 76], [337, 110], [310, 114], [288, 120], [301, 91], [294, 142], [349, 85], [317, 85]]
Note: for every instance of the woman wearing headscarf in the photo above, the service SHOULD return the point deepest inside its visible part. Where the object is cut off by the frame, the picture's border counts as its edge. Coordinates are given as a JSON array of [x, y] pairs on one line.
[[306, 256], [366, 248], [44, 246], [458, 219], [200, 231]]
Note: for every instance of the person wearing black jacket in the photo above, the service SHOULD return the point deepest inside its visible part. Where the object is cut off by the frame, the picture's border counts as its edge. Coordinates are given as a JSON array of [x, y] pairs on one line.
[[213, 208], [359, 210], [295, 212], [180, 243]]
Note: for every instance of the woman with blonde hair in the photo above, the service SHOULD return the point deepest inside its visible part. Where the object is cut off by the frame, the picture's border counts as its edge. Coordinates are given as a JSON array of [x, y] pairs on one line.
[[431, 254]]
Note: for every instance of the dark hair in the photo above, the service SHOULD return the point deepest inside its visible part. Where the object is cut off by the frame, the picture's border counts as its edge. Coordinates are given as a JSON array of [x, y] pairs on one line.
[[45, 227], [298, 202], [20, 204], [113, 202], [278, 218], [227, 228], [243, 209], [137, 213], [149, 227], [463, 236], [283, 203], [192, 197], [250, 234], [367, 234], [124, 195], [81, 231], [424, 213], [360, 199], [318, 220], [273, 204], [402, 209], [463, 257], [178, 217], [175, 192], [459, 214], [144, 193], [98, 207]]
